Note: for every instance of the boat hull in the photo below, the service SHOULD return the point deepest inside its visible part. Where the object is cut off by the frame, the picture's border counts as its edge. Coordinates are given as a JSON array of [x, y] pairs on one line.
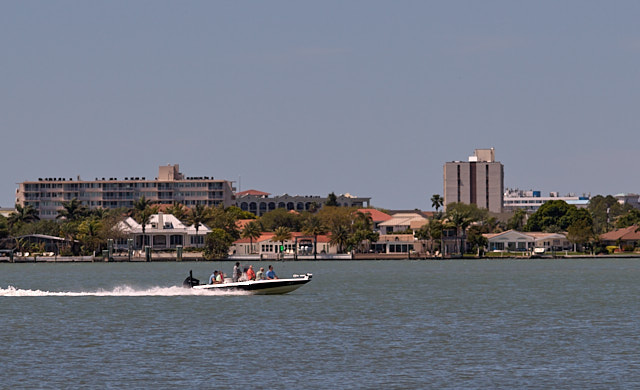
[[259, 287]]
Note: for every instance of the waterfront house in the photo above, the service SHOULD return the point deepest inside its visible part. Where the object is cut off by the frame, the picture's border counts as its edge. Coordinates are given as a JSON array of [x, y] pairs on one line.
[[164, 231], [394, 243], [300, 244], [402, 222], [514, 241], [626, 237]]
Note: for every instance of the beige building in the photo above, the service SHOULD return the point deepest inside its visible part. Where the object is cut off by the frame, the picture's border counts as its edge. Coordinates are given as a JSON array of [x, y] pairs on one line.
[[47, 194], [259, 203], [479, 181]]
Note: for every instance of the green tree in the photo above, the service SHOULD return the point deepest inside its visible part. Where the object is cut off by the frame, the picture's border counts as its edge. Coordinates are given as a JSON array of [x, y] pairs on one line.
[[89, 235], [23, 215], [332, 216], [281, 217], [475, 239], [178, 210], [555, 216], [362, 229], [435, 231], [459, 219], [581, 232], [313, 227], [238, 213], [198, 216], [73, 210], [424, 233], [437, 201], [282, 234], [339, 237], [604, 211], [219, 217], [217, 244], [332, 200], [4, 227], [139, 206], [252, 231], [144, 218], [632, 217], [517, 221]]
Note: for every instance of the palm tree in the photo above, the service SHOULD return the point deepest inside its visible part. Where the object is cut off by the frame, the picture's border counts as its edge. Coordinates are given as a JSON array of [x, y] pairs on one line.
[[313, 227], [139, 205], [198, 216], [339, 237], [252, 231], [423, 234], [436, 201], [281, 235], [460, 221], [25, 214], [144, 217], [362, 229], [73, 210], [178, 210]]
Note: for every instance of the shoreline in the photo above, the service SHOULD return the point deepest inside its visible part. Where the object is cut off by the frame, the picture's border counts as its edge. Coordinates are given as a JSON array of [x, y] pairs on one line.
[[348, 257]]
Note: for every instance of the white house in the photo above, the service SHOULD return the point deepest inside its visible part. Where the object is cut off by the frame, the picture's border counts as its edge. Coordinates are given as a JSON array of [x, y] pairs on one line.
[[164, 231], [513, 240]]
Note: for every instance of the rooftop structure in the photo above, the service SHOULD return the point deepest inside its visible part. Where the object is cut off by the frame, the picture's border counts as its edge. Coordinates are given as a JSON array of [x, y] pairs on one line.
[[47, 194]]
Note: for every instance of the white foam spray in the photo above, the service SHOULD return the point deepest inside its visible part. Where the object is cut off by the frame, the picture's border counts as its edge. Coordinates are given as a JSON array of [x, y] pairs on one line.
[[119, 291]]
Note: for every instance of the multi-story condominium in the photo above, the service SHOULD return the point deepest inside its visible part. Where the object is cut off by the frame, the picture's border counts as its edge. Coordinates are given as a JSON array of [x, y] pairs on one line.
[[259, 203], [515, 199], [479, 181], [47, 194]]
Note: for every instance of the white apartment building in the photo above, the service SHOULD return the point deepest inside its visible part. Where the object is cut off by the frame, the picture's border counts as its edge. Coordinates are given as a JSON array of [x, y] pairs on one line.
[[47, 194], [530, 201]]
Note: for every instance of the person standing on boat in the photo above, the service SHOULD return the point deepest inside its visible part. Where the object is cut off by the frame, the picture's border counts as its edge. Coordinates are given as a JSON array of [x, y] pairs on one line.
[[251, 275], [271, 273], [260, 274], [237, 272]]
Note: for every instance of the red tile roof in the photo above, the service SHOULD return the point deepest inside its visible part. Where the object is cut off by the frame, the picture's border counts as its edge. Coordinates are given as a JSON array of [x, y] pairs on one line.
[[626, 234], [242, 223], [252, 192], [376, 215]]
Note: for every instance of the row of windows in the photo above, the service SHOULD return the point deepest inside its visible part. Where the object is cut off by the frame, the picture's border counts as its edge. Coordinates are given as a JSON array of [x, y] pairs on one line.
[[276, 247], [122, 186]]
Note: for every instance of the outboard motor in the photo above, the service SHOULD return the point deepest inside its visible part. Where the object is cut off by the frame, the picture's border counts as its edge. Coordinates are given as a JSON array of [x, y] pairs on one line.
[[190, 281]]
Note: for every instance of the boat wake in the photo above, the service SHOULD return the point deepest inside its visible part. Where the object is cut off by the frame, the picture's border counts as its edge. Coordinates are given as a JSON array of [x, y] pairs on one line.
[[120, 291]]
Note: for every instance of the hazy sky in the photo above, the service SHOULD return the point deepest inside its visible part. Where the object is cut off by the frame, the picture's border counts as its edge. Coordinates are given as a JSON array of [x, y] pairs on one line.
[[301, 97]]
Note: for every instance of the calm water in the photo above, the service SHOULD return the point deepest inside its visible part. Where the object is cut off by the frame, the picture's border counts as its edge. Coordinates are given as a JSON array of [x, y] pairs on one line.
[[378, 324]]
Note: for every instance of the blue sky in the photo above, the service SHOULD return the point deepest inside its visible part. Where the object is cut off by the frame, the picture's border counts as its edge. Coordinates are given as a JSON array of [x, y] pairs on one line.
[[301, 97]]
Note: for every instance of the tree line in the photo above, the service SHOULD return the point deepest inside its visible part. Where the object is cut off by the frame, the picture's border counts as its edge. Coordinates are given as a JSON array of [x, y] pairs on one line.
[[348, 229]]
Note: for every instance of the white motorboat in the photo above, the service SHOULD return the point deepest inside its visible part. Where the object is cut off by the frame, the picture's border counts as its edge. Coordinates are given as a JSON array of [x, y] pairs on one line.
[[255, 287]]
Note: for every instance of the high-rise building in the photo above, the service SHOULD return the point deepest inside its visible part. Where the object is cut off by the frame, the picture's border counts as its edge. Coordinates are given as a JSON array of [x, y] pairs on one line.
[[479, 181], [47, 194]]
